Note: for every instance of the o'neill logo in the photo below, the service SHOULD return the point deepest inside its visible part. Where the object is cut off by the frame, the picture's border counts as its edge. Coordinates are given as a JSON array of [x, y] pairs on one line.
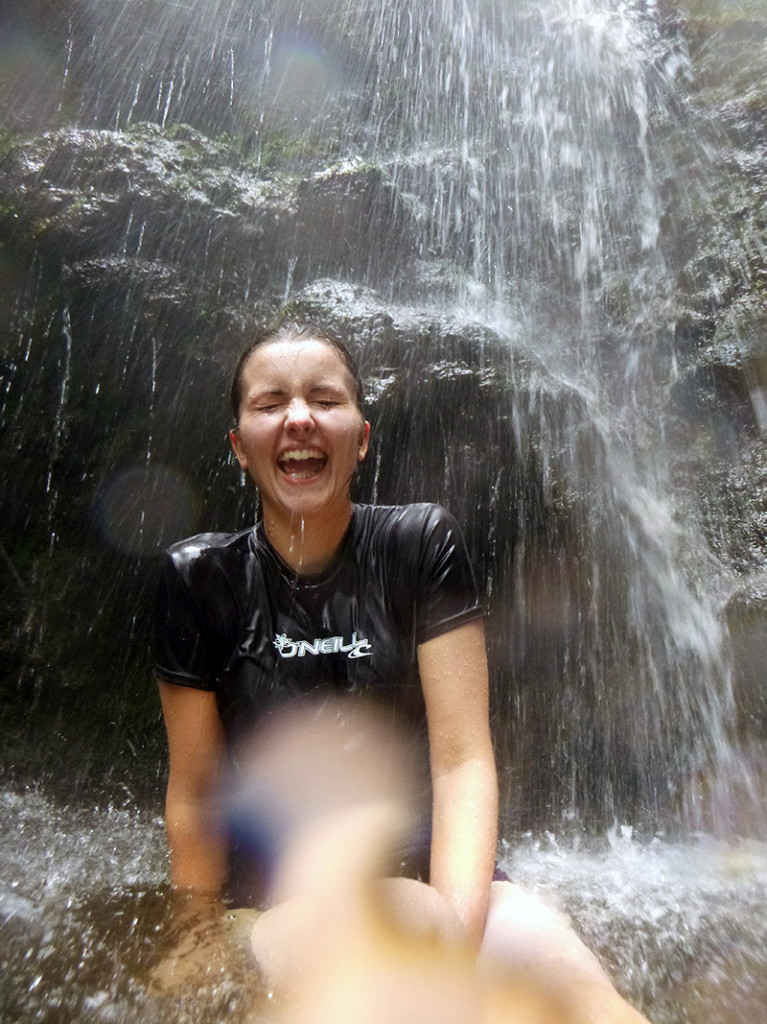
[[322, 645]]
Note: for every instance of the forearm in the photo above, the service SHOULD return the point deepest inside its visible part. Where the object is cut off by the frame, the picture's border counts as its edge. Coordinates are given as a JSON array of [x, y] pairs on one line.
[[464, 837], [196, 745], [197, 852]]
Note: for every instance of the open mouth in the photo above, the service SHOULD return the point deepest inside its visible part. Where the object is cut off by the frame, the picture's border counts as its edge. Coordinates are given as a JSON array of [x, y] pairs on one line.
[[302, 463]]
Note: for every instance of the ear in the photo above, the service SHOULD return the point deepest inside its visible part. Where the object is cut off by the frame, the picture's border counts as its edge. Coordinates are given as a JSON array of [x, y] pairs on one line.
[[364, 441], [239, 451]]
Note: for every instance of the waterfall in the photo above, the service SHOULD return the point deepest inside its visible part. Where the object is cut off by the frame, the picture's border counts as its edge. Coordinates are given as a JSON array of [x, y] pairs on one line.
[[500, 174], [506, 209]]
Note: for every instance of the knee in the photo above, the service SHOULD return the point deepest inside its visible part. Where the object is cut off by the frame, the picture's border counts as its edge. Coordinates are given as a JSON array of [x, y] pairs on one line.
[[512, 905], [279, 935], [525, 933], [416, 909]]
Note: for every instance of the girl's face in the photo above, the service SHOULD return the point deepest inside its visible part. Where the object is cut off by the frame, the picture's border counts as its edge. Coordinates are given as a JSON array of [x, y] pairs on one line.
[[300, 434]]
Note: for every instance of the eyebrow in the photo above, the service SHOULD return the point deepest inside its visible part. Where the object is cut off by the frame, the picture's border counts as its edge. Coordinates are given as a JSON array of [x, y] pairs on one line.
[[255, 396], [279, 392], [333, 389]]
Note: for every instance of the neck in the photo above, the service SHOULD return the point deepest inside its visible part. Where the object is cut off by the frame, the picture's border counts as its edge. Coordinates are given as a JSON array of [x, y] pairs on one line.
[[306, 543]]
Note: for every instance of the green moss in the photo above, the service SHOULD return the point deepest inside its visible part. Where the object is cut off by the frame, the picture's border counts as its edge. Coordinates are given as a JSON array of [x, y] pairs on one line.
[[721, 12], [8, 141], [8, 209]]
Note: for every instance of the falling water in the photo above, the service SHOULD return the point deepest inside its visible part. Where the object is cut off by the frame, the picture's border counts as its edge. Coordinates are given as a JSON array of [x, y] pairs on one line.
[[505, 258]]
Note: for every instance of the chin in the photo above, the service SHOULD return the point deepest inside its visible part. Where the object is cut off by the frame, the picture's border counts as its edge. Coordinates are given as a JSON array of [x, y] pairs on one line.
[[310, 507]]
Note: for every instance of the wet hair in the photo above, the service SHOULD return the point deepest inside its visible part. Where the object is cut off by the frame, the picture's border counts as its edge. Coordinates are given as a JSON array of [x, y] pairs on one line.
[[294, 330]]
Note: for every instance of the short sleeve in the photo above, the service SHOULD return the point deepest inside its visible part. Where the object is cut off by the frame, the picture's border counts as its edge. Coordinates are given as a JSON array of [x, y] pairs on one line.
[[448, 596], [182, 651]]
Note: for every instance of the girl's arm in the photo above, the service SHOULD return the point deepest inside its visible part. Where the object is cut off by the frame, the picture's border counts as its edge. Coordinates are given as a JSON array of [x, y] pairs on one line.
[[453, 669], [196, 744]]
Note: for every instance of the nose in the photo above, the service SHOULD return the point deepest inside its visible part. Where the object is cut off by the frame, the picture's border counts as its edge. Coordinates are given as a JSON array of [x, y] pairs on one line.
[[299, 415]]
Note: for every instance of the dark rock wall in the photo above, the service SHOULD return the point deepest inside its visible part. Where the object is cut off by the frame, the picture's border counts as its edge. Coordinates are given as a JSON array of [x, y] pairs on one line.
[[137, 254]]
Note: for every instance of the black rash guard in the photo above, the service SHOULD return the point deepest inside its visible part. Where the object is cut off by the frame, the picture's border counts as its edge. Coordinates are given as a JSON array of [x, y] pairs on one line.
[[233, 618]]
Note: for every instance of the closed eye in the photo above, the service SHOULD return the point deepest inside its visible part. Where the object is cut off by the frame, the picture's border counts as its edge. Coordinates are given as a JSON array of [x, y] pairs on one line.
[[327, 396], [268, 402]]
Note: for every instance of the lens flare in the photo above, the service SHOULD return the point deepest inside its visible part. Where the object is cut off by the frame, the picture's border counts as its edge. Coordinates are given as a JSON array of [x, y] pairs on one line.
[[143, 509]]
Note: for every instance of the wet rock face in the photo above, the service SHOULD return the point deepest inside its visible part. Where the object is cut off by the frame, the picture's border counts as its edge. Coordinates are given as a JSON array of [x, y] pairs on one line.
[[717, 403], [137, 260], [175, 204]]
